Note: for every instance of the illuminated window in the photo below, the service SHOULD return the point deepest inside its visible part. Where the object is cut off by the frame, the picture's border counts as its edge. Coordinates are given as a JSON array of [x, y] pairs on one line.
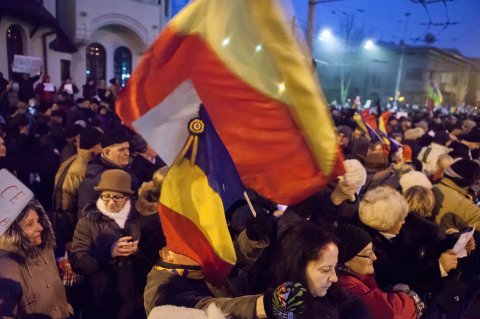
[[14, 44], [122, 60], [96, 59]]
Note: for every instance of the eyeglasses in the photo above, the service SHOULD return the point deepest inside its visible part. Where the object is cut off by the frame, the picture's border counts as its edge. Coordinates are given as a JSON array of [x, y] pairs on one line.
[[368, 254], [115, 198]]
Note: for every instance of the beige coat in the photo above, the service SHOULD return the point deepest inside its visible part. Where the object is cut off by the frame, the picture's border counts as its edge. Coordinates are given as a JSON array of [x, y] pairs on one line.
[[454, 206]]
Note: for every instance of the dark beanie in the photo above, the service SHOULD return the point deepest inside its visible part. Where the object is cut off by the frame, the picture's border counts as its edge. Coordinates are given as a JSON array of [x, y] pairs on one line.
[[352, 239], [72, 131], [89, 137], [463, 172], [114, 137], [473, 136]]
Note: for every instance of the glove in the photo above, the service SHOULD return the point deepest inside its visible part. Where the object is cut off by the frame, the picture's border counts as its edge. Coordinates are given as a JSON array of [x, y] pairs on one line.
[[419, 304], [287, 301], [259, 227]]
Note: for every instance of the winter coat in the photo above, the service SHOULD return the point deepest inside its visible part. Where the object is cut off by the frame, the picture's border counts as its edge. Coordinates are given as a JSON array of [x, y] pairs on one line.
[[338, 303], [95, 168], [67, 182], [382, 305], [451, 198], [429, 155], [114, 286], [166, 288], [460, 150], [29, 279], [25, 87]]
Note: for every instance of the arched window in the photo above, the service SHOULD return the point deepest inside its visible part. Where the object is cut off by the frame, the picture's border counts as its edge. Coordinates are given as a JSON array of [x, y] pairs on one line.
[[122, 63], [14, 44], [96, 58]]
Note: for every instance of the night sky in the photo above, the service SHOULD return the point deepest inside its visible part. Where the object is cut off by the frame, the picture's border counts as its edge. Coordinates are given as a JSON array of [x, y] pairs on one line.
[[384, 20]]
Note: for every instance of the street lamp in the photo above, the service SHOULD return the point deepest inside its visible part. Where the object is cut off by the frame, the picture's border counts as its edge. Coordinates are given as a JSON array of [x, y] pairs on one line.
[[325, 35], [369, 45]]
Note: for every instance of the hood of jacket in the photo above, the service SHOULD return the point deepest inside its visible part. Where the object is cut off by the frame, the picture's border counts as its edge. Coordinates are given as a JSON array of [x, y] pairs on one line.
[[147, 201], [14, 241]]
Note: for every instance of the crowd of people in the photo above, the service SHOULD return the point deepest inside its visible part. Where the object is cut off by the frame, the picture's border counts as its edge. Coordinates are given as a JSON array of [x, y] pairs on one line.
[[381, 241]]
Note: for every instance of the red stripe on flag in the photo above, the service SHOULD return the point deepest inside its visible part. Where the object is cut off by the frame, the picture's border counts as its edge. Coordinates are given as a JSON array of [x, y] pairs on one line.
[[183, 235]]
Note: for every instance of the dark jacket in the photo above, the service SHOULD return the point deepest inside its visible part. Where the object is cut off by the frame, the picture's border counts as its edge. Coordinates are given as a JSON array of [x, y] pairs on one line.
[[29, 279], [460, 150], [114, 286], [338, 303]]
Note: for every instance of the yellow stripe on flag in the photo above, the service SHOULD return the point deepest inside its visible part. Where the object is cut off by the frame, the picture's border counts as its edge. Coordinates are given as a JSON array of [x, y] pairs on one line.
[[186, 191]]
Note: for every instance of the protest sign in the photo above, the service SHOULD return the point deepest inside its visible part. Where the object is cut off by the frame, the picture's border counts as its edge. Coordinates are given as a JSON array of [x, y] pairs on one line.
[[26, 64], [14, 196], [461, 243]]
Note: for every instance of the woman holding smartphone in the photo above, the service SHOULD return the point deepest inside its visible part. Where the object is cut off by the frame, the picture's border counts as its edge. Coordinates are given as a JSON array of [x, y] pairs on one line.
[[105, 251]]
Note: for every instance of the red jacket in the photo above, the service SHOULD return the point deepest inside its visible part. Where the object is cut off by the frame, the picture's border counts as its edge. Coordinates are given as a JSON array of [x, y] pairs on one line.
[[382, 305]]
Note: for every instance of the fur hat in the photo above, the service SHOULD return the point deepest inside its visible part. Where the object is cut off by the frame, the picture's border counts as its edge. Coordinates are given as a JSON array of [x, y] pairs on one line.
[[149, 193], [114, 137], [355, 173], [173, 312], [463, 172], [413, 133], [89, 137], [382, 208], [414, 178], [115, 180], [352, 239]]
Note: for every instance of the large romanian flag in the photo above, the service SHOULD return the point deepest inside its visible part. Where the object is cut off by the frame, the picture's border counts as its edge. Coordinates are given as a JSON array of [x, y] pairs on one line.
[[242, 60]]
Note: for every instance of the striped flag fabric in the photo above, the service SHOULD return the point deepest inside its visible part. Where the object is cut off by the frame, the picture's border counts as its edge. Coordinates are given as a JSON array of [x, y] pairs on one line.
[[242, 60], [434, 97], [200, 185]]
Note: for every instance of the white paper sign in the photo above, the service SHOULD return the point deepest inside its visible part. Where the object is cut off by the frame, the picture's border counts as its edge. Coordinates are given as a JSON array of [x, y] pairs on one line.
[[14, 196], [68, 87], [48, 87], [26, 64], [459, 247]]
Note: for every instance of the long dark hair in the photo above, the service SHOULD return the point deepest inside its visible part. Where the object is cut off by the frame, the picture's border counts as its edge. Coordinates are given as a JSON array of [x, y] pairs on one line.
[[295, 249]]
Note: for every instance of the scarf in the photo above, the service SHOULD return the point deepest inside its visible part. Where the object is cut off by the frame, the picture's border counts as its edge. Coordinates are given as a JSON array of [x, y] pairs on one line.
[[120, 217]]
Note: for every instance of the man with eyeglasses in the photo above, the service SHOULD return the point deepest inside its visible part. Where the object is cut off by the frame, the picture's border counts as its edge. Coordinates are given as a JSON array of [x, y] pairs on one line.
[[115, 154]]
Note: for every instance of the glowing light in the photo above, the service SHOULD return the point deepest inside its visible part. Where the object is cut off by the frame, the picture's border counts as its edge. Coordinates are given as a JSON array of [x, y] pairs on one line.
[[258, 48], [226, 42], [369, 44], [391, 98], [401, 99], [325, 35], [281, 88]]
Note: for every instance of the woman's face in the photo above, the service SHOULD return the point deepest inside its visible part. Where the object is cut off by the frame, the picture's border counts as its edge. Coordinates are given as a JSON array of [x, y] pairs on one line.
[[362, 263], [114, 201], [31, 227], [3, 148], [320, 273]]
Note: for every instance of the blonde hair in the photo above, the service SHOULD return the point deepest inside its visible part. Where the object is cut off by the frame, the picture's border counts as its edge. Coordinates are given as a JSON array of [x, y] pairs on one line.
[[420, 200], [382, 208]]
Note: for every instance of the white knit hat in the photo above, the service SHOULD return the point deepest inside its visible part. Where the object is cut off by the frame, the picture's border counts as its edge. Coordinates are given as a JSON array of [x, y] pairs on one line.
[[355, 173], [173, 312], [414, 178]]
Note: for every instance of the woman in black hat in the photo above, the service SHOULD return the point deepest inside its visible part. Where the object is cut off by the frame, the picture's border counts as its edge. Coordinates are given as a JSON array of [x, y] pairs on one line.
[[105, 251], [355, 273]]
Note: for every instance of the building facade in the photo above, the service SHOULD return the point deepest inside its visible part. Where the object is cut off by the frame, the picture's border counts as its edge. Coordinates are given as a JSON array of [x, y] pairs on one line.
[[372, 74], [81, 39]]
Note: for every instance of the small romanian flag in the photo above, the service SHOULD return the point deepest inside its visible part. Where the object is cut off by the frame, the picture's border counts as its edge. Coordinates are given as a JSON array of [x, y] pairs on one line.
[[200, 185]]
